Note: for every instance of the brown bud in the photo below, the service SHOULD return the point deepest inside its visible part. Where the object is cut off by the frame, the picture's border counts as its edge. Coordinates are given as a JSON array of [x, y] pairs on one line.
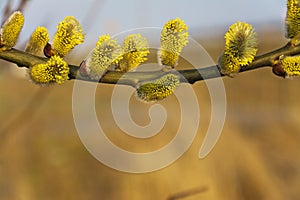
[[278, 70], [48, 51], [83, 69]]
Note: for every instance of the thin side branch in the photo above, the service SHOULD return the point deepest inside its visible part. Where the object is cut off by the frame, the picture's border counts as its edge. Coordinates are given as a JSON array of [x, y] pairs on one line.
[[191, 76], [188, 193]]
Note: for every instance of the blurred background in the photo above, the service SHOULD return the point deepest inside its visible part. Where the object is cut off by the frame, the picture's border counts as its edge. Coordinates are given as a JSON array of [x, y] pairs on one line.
[[257, 156]]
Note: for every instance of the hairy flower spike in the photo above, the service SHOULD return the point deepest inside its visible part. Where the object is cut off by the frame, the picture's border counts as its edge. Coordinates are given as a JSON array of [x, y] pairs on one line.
[[158, 89], [291, 66], [56, 70], [292, 21], [102, 39], [69, 34], [106, 53], [37, 41], [240, 48], [135, 49], [11, 29], [173, 38]]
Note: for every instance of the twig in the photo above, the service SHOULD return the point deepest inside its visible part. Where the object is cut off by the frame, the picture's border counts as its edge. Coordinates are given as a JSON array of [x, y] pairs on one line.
[[7, 11], [22, 5], [32, 106], [22, 118], [132, 78], [8, 8], [188, 193]]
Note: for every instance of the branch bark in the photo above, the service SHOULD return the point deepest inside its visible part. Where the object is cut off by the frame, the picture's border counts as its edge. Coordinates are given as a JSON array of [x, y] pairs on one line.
[[23, 59]]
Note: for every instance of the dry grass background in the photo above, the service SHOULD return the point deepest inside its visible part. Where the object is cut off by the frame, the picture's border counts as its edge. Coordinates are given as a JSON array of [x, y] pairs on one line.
[[257, 156]]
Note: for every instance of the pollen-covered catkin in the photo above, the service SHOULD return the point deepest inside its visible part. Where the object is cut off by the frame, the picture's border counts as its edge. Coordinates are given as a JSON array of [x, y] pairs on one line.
[[11, 29], [106, 53], [38, 40], [291, 66], [55, 70], [135, 50], [158, 89], [292, 20], [173, 38], [240, 48], [69, 34]]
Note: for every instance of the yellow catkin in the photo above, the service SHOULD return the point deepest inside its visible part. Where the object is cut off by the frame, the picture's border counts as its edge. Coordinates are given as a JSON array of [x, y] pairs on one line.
[[106, 53], [38, 40], [69, 34], [102, 39], [56, 70], [11, 29], [173, 38], [291, 66], [135, 50], [158, 89], [240, 48], [292, 20]]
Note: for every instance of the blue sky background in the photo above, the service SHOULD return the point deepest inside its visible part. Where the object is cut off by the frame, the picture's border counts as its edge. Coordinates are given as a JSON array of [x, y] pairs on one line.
[[113, 16]]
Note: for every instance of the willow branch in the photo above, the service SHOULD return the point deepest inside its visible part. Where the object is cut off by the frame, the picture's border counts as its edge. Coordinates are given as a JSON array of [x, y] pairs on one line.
[[191, 76]]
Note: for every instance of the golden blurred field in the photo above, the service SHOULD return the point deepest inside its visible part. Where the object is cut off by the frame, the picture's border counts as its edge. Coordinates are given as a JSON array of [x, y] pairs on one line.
[[257, 156]]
